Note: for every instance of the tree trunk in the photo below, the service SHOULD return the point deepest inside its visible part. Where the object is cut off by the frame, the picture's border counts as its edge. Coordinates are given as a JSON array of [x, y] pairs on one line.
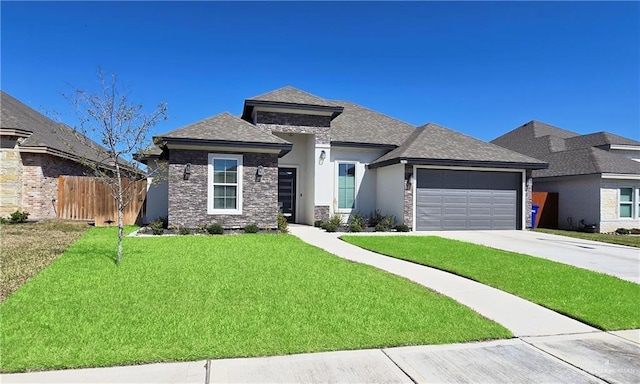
[[120, 216]]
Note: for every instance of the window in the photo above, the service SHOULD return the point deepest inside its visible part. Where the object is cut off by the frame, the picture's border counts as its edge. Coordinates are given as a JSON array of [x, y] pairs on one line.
[[225, 184], [626, 202], [346, 186], [629, 203]]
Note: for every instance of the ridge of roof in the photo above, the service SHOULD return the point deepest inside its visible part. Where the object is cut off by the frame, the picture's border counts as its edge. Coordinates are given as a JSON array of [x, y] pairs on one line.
[[292, 95], [358, 124], [435, 142]]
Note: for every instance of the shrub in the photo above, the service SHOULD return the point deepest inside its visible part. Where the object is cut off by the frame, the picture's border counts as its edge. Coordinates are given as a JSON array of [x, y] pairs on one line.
[[389, 222], [402, 228], [165, 221], [318, 223], [3, 220], [157, 227], [18, 217], [185, 231], [215, 229], [375, 217], [283, 226], [622, 231], [355, 227], [331, 227], [336, 220], [635, 231], [251, 228], [381, 228]]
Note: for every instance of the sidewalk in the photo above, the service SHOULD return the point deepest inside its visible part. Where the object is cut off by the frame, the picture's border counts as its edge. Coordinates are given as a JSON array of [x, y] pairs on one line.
[[548, 347]]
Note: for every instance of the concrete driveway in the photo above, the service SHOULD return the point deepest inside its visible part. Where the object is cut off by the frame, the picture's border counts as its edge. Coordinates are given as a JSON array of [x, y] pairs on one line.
[[616, 260]]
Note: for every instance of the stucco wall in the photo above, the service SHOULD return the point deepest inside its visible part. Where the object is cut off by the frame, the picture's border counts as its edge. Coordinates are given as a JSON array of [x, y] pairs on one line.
[[610, 205], [365, 178], [10, 177], [188, 198], [578, 199], [157, 204], [390, 189]]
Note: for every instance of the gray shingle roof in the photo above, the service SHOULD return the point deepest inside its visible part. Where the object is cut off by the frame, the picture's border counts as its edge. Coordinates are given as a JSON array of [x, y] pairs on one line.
[[436, 143], [569, 153], [599, 139], [291, 95], [46, 132], [224, 128], [586, 161], [358, 124]]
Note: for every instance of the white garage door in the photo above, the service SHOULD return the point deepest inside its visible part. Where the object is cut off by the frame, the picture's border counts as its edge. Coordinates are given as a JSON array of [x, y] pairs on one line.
[[462, 200]]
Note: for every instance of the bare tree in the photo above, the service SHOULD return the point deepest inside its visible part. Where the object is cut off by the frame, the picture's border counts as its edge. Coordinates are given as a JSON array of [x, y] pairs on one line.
[[122, 128]]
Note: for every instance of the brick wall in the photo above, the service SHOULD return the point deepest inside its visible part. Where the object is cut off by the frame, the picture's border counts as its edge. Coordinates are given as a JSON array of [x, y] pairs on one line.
[[188, 198], [40, 182], [320, 126]]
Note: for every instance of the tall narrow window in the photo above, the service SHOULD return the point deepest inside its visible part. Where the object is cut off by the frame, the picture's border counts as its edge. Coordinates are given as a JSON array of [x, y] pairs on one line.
[[225, 184], [626, 202], [346, 185]]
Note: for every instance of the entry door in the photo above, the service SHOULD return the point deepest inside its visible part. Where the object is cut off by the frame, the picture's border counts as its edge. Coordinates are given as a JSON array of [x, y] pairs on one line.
[[287, 193]]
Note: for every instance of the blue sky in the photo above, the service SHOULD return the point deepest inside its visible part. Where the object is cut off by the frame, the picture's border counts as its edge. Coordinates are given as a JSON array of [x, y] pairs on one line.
[[481, 68]]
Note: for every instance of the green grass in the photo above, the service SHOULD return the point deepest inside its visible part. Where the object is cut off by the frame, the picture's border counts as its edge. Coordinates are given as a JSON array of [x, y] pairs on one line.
[[629, 240], [600, 300], [194, 297]]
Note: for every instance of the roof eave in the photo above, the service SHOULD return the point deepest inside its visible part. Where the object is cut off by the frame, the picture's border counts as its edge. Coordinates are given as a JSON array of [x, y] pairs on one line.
[[460, 163], [222, 143], [15, 132], [250, 104]]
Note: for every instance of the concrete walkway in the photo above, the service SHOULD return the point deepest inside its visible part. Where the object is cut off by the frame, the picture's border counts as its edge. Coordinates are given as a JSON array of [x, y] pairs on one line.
[[550, 347], [521, 317]]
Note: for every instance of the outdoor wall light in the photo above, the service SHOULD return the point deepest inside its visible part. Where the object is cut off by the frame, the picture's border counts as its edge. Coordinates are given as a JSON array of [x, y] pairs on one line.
[[259, 172], [187, 171], [323, 155], [409, 181]]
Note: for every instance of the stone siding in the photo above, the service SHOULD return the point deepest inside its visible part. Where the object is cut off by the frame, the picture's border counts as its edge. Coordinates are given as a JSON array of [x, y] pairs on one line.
[[610, 205], [188, 198], [321, 212], [10, 177], [40, 182], [408, 198], [320, 126], [528, 196]]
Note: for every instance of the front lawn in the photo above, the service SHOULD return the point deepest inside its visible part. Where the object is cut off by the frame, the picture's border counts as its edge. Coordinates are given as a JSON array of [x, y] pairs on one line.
[[629, 240], [196, 297], [600, 300], [28, 248]]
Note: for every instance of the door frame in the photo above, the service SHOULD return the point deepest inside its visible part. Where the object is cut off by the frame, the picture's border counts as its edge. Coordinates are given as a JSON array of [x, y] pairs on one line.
[[297, 186]]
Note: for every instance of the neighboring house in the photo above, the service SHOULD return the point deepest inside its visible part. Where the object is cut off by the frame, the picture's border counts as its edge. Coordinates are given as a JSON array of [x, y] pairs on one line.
[[34, 152], [596, 176], [310, 158]]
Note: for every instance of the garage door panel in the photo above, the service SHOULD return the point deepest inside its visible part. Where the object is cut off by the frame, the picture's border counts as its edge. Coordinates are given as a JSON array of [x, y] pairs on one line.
[[453, 200]]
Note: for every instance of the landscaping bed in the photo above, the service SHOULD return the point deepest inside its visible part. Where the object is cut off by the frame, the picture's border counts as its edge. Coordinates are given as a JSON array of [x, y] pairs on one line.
[[597, 299], [176, 298]]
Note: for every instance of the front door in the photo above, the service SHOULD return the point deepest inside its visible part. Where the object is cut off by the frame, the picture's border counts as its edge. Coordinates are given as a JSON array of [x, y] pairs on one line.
[[287, 193]]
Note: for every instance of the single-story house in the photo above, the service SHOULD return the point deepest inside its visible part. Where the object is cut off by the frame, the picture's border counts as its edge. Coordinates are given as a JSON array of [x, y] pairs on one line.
[[310, 158], [596, 176], [34, 152]]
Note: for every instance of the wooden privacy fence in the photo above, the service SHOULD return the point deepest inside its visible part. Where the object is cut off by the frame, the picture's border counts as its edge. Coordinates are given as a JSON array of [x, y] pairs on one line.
[[89, 198]]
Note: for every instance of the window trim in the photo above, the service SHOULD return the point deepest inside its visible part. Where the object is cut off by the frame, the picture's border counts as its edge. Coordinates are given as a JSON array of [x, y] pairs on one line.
[[355, 186], [634, 203], [211, 184]]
